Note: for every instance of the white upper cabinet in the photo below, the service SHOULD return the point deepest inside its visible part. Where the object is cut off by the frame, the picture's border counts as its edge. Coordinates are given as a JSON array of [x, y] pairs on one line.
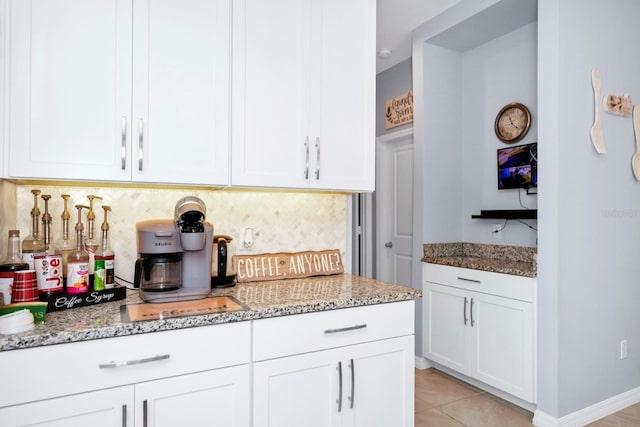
[[119, 90], [304, 94]]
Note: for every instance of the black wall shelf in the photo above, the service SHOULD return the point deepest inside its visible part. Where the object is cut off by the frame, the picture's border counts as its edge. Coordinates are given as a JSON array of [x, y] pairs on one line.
[[508, 214]]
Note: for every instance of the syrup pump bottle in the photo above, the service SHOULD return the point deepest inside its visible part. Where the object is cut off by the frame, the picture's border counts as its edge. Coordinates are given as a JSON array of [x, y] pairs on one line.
[[48, 261], [10, 263], [104, 277], [33, 244], [64, 243], [91, 243], [78, 260]]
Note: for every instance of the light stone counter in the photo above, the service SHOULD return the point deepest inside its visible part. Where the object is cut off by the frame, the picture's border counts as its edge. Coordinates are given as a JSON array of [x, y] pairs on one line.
[[262, 300], [514, 260]]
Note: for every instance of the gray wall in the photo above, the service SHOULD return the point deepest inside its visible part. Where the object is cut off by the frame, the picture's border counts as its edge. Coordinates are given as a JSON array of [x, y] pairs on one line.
[[391, 83], [590, 207], [589, 203]]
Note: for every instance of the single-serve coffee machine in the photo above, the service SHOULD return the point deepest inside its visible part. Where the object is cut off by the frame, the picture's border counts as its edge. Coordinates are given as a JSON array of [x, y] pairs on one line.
[[174, 261]]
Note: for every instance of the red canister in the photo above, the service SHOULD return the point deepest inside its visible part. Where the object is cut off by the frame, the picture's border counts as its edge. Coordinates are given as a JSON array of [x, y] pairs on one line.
[[25, 286]]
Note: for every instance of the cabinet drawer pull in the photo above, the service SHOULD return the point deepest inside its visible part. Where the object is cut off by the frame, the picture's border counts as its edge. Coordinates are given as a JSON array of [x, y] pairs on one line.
[[464, 311], [471, 311], [140, 143], [469, 280], [144, 413], [352, 398], [348, 328], [124, 415], [339, 401], [124, 143], [306, 168], [122, 363], [317, 158]]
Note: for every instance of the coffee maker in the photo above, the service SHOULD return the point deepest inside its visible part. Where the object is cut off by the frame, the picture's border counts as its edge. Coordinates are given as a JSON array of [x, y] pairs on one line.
[[174, 261]]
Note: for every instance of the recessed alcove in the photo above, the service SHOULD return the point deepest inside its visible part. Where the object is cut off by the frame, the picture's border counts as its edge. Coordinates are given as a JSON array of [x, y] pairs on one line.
[[472, 63]]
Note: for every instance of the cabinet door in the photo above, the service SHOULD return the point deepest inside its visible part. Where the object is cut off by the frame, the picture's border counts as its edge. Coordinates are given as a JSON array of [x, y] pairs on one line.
[[271, 90], [69, 89], [218, 397], [447, 320], [304, 94], [104, 408], [380, 377], [503, 344], [300, 390], [181, 91], [343, 97]]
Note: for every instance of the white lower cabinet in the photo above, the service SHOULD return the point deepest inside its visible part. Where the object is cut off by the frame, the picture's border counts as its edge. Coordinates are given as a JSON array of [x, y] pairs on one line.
[[104, 408], [481, 324], [218, 397], [181, 377], [347, 367], [366, 384]]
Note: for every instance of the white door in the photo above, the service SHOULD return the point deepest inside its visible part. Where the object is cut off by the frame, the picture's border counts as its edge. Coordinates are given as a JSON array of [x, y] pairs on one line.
[[380, 390], [271, 90], [70, 89], [300, 390], [503, 344], [447, 326], [181, 91], [218, 397], [343, 95], [394, 205], [105, 408]]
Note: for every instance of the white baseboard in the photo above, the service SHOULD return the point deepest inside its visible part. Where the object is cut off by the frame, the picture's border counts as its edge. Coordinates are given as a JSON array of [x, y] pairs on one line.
[[589, 414], [422, 363]]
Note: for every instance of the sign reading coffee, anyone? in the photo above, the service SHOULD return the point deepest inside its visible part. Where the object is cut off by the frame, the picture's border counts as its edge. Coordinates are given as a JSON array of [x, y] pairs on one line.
[[287, 265]]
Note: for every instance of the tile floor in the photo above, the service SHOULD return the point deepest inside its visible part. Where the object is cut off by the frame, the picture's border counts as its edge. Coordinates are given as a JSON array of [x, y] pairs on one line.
[[444, 401]]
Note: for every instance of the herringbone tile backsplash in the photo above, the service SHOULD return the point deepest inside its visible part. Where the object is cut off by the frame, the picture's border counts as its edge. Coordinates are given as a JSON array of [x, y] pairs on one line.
[[282, 221]]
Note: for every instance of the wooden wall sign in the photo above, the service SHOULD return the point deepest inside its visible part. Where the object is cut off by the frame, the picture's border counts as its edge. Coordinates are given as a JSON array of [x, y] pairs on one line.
[[287, 265], [398, 110]]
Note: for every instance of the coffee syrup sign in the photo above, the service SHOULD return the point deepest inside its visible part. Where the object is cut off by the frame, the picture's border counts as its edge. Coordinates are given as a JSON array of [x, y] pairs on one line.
[[66, 301], [287, 265]]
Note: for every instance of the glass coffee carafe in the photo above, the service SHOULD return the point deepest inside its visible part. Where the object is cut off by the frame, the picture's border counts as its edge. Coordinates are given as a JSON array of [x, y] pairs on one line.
[[161, 272]]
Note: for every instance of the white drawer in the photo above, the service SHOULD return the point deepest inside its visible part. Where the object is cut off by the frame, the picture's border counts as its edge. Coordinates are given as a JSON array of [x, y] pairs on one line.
[[504, 285], [288, 335], [57, 370]]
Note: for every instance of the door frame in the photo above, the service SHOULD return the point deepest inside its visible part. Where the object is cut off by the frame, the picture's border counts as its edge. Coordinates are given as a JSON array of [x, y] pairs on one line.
[[362, 218], [390, 138]]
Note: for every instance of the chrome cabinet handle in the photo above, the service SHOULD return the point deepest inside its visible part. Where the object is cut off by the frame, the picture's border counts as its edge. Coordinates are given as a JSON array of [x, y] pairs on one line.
[[352, 398], [339, 401], [144, 413], [140, 143], [306, 168], [123, 153], [124, 415], [348, 328], [469, 280], [471, 311], [318, 158], [464, 311], [123, 363]]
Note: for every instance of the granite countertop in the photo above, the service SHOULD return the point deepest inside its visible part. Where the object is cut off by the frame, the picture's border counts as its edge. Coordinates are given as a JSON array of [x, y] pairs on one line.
[[261, 300], [515, 260]]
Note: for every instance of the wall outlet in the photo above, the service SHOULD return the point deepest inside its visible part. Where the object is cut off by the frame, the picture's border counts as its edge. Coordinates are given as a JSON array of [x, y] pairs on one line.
[[623, 349], [497, 231]]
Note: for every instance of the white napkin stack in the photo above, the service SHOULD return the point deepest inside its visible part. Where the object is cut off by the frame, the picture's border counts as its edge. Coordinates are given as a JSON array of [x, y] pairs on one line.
[[18, 321]]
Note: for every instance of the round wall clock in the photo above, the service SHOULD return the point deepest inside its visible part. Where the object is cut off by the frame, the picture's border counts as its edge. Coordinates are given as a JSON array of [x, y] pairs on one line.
[[512, 122]]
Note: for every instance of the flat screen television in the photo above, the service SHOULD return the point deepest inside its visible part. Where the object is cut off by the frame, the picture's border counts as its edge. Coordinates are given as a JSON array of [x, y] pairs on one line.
[[518, 166]]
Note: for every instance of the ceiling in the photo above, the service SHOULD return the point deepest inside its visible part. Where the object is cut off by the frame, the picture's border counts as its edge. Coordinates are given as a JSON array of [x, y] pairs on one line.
[[396, 21]]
